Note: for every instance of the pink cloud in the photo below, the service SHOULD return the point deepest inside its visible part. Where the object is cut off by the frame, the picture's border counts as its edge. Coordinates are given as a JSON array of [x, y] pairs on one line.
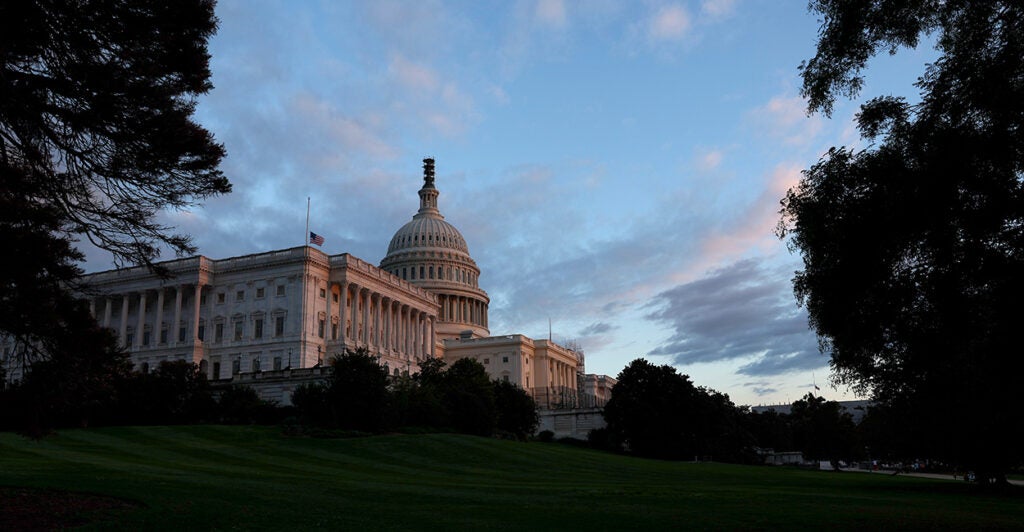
[[670, 23], [551, 13]]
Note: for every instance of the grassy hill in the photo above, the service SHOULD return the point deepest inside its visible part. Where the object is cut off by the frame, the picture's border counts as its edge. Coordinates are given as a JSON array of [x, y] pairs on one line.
[[213, 477]]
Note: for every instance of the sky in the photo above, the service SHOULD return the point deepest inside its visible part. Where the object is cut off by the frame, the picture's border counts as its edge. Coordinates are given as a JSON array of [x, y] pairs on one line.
[[615, 167]]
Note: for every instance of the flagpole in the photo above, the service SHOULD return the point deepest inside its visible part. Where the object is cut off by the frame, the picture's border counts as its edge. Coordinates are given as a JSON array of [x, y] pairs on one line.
[[305, 236]]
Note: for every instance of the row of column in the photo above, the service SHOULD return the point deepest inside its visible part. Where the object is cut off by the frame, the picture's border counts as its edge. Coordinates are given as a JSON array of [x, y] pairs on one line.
[[462, 309], [381, 323], [140, 319], [562, 375]]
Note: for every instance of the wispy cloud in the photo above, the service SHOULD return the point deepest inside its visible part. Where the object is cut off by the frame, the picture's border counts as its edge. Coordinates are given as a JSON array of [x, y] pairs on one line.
[[785, 118], [744, 312], [551, 13], [671, 22]]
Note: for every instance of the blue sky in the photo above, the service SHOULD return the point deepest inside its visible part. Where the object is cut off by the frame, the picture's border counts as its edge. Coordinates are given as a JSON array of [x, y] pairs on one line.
[[614, 166]]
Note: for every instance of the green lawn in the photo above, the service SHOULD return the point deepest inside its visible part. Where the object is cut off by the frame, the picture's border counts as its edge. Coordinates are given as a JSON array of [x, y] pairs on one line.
[[212, 477]]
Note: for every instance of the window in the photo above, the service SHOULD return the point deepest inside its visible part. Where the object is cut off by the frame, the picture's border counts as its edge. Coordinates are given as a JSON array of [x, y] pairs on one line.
[[240, 295], [320, 328], [280, 290], [218, 332], [431, 271], [216, 370], [145, 367], [236, 367], [257, 329], [421, 272], [279, 326], [128, 338], [145, 338], [202, 331], [335, 297], [323, 293], [256, 364], [334, 331], [181, 334], [277, 363], [238, 331], [259, 293], [487, 361], [163, 336], [505, 378], [504, 360], [220, 297], [202, 299]]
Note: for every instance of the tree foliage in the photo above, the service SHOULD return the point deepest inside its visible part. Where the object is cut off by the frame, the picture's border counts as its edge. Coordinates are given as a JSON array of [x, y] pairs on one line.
[[913, 249], [96, 105], [823, 430], [658, 412], [358, 391]]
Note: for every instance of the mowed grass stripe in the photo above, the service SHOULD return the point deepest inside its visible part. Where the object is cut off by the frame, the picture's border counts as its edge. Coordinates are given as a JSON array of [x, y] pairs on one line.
[[212, 477]]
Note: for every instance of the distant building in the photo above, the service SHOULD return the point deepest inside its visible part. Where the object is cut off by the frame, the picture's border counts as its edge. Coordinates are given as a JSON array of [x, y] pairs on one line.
[[272, 320], [857, 409]]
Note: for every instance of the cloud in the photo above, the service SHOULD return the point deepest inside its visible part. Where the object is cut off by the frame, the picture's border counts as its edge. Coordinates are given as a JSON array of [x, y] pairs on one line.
[[785, 118], [717, 9], [551, 13], [412, 75], [709, 160], [596, 328], [753, 227], [741, 312], [670, 23]]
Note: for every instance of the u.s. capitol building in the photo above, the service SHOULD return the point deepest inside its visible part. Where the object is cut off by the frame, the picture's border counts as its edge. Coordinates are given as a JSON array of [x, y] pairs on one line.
[[272, 319]]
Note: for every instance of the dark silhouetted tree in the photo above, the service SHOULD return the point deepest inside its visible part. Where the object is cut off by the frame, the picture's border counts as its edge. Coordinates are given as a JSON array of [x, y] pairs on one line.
[[468, 397], [822, 430], [516, 410], [358, 392], [653, 410], [913, 248], [176, 392], [96, 139]]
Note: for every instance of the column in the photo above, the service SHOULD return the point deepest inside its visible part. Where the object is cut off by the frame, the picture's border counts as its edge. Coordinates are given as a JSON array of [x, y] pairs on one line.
[[141, 320], [343, 311], [378, 336], [124, 320], [424, 330], [173, 330], [366, 318], [106, 311], [327, 311], [195, 314], [385, 323], [433, 339], [159, 325], [355, 315]]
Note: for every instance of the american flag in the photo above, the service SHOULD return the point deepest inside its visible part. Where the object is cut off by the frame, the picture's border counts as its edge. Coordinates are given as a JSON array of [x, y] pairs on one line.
[[316, 239]]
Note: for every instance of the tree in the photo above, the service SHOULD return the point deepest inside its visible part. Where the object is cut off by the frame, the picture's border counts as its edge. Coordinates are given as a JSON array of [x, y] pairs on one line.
[[468, 397], [96, 111], [823, 430], [913, 248], [358, 392], [516, 410], [96, 139], [652, 410]]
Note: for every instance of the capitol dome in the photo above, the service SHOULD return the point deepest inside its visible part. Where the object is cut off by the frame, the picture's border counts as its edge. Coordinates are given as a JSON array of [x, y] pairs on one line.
[[432, 254]]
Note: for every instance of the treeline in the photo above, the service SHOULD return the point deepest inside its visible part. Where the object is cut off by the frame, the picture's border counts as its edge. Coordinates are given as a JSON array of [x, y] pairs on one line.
[[83, 390], [657, 412], [359, 396], [174, 393]]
